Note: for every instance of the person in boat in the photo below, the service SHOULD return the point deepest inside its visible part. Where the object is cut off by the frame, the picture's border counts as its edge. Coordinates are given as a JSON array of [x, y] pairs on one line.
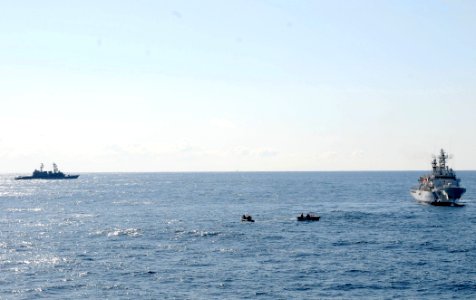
[[302, 215], [247, 218]]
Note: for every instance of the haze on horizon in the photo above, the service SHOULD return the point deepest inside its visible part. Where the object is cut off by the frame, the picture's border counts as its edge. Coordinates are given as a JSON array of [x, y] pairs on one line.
[[267, 85]]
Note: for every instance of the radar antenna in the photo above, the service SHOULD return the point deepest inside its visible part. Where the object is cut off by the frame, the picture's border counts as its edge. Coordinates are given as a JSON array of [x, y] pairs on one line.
[[433, 164], [442, 159]]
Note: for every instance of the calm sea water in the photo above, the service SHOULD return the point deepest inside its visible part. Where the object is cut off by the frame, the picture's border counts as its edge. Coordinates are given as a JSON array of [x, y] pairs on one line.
[[179, 236]]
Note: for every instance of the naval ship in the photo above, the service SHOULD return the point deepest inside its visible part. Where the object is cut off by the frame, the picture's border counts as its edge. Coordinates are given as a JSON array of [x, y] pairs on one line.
[[441, 187], [40, 174]]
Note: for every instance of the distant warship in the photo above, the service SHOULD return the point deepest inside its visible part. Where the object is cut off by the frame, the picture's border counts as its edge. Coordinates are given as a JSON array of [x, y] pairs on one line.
[[441, 187], [40, 174]]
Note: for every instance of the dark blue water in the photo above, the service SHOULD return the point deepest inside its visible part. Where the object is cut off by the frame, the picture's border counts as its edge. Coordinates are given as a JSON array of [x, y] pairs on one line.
[[179, 236]]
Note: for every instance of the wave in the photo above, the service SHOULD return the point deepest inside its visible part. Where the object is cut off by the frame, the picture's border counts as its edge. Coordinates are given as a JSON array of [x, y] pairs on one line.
[[132, 202], [204, 233], [116, 232], [44, 260], [31, 209]]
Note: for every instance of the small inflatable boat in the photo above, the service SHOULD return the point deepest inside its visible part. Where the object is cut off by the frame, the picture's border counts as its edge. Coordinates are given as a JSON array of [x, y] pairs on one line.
[[246, 218], [308, 217]]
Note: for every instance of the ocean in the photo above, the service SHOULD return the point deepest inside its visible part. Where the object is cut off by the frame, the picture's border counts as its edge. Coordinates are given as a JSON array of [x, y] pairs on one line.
[[179, 236]]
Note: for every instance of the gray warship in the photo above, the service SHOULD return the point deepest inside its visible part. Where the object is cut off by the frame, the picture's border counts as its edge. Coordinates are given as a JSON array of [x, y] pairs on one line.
[[441, 187], [49, 175]]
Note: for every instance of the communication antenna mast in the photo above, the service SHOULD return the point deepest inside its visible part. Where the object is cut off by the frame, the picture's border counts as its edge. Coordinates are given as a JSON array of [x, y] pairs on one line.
[[442, 159]]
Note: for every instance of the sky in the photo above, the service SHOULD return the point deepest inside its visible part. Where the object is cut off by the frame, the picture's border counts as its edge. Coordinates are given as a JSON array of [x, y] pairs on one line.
[[270, 85]]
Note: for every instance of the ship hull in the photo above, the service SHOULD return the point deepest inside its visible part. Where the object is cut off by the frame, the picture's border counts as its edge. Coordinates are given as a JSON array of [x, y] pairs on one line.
[[422, 196], [439, 197]]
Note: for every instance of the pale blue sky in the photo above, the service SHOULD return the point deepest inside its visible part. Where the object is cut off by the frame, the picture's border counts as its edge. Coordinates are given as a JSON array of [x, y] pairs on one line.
[[236, 85]]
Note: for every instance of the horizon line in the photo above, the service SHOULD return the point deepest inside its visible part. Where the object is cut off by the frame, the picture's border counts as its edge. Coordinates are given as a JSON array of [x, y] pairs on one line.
[[243, 171]]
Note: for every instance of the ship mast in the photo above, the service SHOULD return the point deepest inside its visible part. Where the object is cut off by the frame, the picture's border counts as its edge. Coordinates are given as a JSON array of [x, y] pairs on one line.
[[442, 159], [55, 168], [433, 164]]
